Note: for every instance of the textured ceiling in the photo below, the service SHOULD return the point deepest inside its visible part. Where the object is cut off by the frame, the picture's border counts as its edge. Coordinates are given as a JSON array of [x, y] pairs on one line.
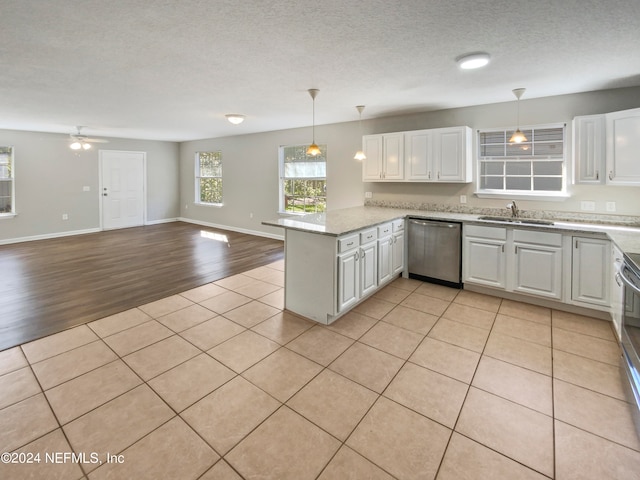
[[171, 70]]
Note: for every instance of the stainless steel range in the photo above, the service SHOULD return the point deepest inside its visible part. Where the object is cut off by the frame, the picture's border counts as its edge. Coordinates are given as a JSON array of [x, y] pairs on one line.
[[630, 276]]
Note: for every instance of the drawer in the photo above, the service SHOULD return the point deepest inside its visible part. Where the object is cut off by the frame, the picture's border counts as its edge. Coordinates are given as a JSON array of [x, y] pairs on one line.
[[385, 230], [496, 233], [398, 225], [539, 238], [348, 243], [367, 236]]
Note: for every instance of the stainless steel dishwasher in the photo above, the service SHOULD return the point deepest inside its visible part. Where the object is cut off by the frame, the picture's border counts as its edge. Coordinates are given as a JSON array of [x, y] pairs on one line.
[[435, 251]]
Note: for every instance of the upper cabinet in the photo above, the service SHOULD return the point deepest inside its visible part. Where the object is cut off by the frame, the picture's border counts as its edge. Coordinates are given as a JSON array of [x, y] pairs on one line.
[[435, 155], [606, 148]]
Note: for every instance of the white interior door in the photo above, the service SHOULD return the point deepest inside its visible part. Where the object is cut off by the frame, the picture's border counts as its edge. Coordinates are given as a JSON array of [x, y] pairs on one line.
[[122, 188]]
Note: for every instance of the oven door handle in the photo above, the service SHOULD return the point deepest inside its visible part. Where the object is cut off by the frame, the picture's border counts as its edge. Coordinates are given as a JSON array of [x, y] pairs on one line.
[[624, 272]]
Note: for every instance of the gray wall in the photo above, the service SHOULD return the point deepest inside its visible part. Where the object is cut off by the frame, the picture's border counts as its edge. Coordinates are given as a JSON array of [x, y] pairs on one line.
[[50, 178], [251, 162]]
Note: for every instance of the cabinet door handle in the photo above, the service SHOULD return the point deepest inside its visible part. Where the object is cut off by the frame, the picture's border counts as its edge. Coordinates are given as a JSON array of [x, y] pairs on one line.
[[503, 248], [597, 175], [357, 255], [576, 243], [516, 249], [438, 175], [611, 175]]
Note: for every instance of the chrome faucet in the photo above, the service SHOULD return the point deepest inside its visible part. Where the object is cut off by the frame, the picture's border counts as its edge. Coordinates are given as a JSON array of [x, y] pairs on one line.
[[514, 209]]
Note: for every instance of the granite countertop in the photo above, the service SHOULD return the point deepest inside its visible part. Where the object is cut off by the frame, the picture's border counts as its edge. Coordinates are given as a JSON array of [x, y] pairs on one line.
[[347, 220]]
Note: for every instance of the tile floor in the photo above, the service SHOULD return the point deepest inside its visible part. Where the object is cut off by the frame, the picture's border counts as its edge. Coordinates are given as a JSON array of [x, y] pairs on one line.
[[418, 382]]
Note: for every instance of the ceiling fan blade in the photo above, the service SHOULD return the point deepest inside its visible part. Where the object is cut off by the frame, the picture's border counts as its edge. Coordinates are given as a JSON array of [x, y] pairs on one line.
[[96, 140]]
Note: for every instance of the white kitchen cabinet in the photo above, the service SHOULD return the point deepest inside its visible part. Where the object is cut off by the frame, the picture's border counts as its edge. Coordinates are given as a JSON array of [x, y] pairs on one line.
[[623, 147], [390, 250], [368, 268], [348, 279], [385, 157], [617, 289], [438, 155], [591, 267], [483, 256], [537, 263], [589, 142], [357, 267], [397, 248]]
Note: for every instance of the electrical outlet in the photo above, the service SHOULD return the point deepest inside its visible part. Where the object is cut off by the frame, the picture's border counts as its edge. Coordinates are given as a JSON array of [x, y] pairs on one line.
[[463, 199], [368, 194], [588, 206], [251, 215], [611, 206], [86, 189], [65, 216]]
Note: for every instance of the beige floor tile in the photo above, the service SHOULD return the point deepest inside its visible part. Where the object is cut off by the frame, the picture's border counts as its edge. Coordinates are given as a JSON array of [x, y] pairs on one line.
[[224, 417], [277, 265], [53, 444], [353, 324], [460, 334], [320, 345], [582, 324], [470, 315], [25, 421], [56, 370], [117, 424], [283, 327], [17, 385], [171, 451], [591, 374], [433, 395], [138, 337], [583, 456], [586, 346], [523, 329], [119, 322], [522, 386], [282, 373], [411, 319], [526, 311], [274, 299], [392, 294], [391, 339], [274, 277], [349, 465], [244, 350], [518, 432], [478, 300], [252, 313], [367, 366], [155, 359], [447, 359], [256, 289], [437, 291], [409, 284], [525, 354], [285, 446], [186, 318], [12, 359], [374, 308], [202, 293], [46, 347], [264, 272], [225, 301], [234, 281], [86, 392], [394, 438], [426, 304], [596, 413], [213, 332], [187, 383], [165, 306], [221, 471], [469, 460], [334, 403]]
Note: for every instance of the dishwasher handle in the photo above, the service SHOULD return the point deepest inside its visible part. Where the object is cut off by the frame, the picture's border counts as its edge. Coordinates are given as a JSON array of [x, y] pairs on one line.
[[426, 223]]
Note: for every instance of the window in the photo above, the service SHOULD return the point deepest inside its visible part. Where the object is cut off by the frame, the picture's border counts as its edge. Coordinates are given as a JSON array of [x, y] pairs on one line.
[[7, 196], [534, 167], [209, 178], [303, 180]]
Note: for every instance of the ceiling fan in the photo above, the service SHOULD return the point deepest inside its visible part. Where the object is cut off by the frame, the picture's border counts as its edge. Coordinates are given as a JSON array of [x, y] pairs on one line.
[[80, 141]]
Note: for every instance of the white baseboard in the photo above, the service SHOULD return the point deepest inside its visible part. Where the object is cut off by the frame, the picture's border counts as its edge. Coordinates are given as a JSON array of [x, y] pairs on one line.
[[162, 220], [48, 236], [233, 229]]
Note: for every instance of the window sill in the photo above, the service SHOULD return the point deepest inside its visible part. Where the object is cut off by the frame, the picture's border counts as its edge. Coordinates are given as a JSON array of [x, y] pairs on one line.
[[7, 215], [215, 205], [542, 197]]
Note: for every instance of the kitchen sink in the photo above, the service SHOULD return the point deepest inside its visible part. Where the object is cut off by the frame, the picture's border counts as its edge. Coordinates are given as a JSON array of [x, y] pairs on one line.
[[521, 221]]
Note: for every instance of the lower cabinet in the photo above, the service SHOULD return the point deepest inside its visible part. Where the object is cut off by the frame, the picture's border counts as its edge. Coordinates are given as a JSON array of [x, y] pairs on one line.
[[390, 251], [617, 289], [591, 267], [483, 255]]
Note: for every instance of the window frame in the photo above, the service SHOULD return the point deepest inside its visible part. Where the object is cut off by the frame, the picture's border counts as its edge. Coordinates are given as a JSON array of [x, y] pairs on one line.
[[534, 159], [198, 177], [12, 180], [282, 207]]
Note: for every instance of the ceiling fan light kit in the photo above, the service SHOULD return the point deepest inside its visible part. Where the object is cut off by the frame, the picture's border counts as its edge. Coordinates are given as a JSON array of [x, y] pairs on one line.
[[82, 142]]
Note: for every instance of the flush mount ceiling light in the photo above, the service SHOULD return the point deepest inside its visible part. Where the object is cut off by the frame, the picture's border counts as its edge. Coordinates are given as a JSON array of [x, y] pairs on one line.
[[235, 118], [313, 149], [473, 60], [360, 154], [518, 136]]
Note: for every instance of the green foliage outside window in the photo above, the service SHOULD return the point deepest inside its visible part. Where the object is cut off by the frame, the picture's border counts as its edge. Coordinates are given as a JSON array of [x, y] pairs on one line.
[[209, 177], [303, 177]]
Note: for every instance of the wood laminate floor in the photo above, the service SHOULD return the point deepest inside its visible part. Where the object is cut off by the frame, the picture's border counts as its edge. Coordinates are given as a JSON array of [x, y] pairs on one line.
[[52, 285]]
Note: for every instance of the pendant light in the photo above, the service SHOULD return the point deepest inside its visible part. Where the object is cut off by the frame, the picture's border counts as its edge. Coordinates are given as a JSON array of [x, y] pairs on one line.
[[518, 136], [360, 154], [313, 149]]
